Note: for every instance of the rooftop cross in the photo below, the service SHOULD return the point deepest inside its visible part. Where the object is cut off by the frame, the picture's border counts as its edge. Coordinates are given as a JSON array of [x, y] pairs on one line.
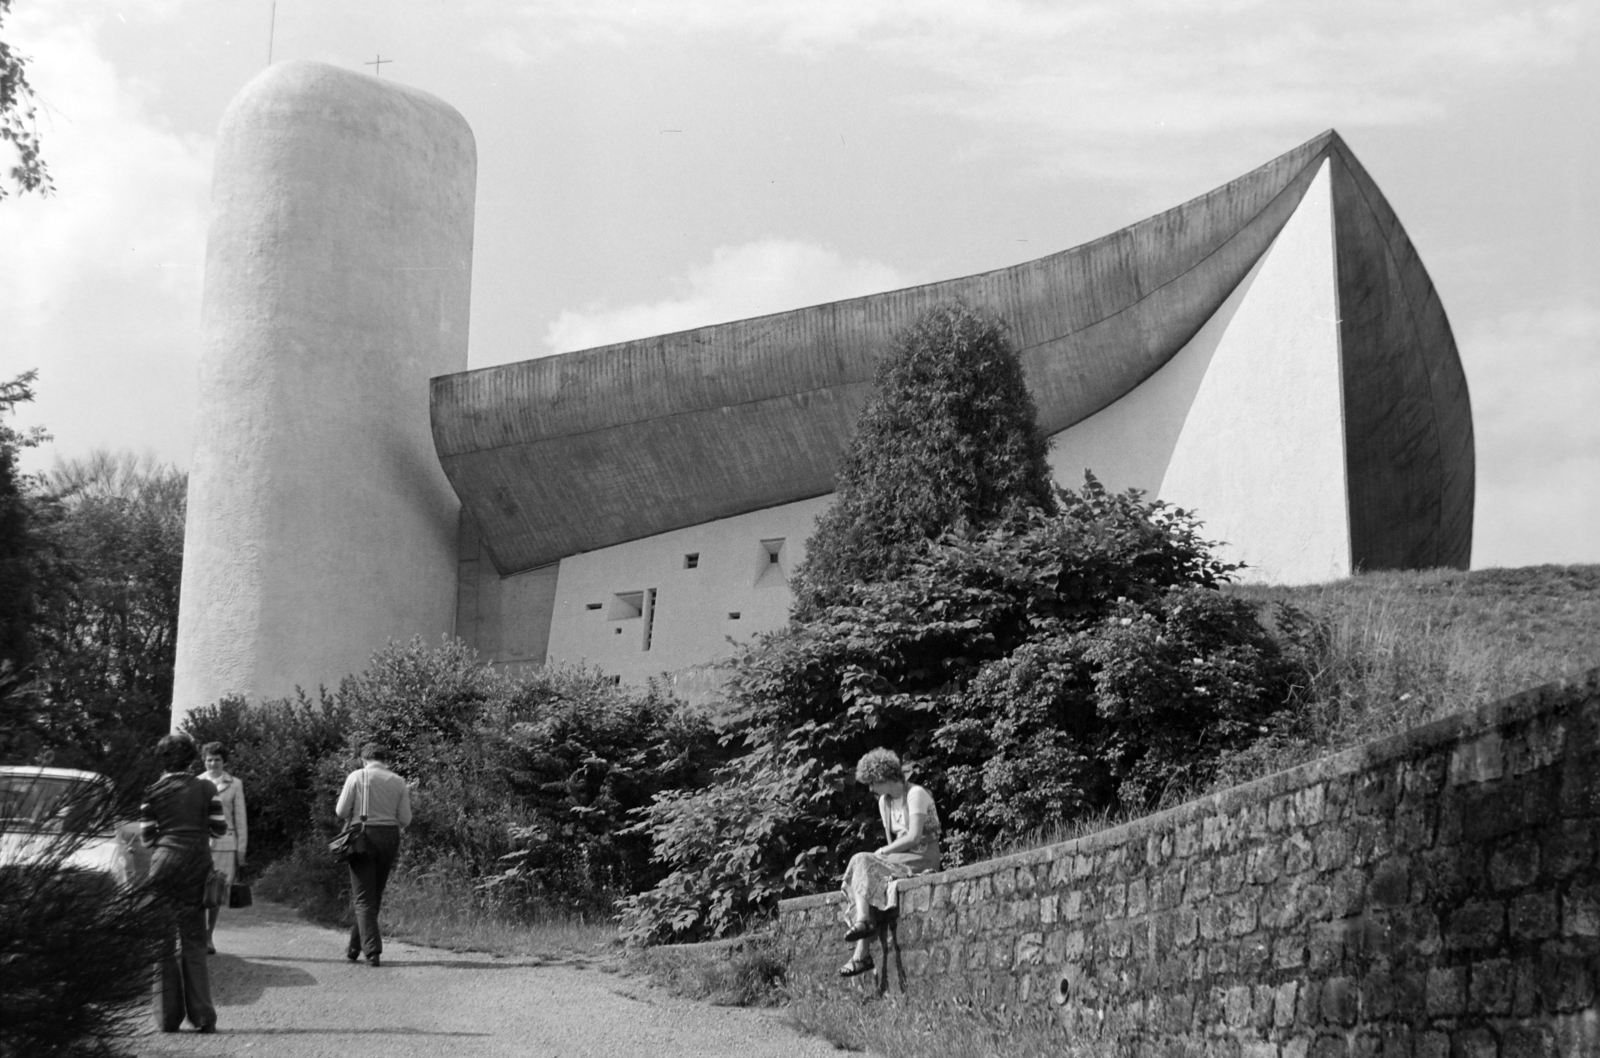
[[377, 65]]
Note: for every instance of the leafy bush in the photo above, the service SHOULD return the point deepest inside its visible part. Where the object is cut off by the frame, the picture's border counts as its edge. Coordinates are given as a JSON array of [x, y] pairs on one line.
[[522, 784], [76, 949], [1045, 666], [277, 748], [948, 437]]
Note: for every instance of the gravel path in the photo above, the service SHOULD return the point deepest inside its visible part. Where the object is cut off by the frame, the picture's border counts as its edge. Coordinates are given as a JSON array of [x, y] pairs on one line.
[[283, 987]]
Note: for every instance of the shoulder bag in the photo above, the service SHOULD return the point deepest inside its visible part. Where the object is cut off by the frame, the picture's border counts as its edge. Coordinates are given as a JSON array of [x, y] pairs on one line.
[[352, 840]]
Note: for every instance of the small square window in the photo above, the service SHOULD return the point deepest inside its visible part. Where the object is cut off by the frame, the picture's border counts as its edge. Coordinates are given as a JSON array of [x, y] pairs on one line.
[[733, 615], [691, 560]]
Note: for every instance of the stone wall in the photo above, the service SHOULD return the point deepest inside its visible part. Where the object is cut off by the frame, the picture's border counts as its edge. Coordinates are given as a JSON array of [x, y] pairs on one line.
[[1427, 895]]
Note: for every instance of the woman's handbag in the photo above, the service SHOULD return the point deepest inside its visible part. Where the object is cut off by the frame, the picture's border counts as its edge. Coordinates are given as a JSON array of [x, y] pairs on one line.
[[216, 893], [352, 840], [239, 894]]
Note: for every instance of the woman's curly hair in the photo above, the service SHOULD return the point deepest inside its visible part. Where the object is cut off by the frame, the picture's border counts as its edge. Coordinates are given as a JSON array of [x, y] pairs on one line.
[[879, 765]]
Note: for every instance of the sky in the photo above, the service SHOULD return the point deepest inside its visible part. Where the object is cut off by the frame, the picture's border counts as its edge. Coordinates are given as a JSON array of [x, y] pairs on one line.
[[650, 165]]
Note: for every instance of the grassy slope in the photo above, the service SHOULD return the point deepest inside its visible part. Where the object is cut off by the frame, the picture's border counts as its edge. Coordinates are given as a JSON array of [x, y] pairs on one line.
[[1406, 648]]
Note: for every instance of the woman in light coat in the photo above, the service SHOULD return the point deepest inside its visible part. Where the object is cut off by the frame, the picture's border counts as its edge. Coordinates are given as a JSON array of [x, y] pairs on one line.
[[228, 851]]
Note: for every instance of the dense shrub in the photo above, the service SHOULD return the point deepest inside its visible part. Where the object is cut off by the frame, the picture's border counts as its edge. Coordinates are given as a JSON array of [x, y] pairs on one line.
[[522, 784], [75, 948], [948, 437], [277, 748], [1045, 666]]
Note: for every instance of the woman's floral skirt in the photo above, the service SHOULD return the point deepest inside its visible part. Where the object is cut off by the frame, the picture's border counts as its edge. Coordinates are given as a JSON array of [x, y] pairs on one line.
[[869, 875]]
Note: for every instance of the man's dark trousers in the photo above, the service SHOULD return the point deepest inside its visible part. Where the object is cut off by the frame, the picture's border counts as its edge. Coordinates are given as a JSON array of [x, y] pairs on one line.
[[183, 983], [369, 873]]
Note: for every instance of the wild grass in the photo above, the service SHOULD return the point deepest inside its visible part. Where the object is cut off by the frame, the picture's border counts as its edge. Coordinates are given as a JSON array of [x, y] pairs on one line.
[[917, 1025], [746, 971], [434, 909], [1394, 650]]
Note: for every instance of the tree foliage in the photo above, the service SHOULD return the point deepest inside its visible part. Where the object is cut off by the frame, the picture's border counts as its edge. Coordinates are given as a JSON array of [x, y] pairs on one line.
[[948, 437], [18, 127]]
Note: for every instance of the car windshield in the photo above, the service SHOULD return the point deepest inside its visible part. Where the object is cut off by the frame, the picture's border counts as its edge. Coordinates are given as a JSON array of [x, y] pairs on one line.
[[53, 803]]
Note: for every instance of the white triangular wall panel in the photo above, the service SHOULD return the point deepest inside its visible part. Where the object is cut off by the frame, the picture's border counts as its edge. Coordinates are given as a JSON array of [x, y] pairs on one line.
[[1260, 456]]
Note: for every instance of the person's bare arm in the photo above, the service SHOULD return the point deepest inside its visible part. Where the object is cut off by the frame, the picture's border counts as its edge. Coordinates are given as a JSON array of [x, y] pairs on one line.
[[907, 840]]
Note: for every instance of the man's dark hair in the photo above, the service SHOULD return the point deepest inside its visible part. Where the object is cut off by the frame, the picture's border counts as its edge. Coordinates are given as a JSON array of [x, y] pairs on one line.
[[374, 751], [214, 749], [175, 752]]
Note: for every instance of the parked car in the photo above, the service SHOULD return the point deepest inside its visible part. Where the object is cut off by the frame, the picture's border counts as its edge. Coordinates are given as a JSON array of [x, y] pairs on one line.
[[46, 813]]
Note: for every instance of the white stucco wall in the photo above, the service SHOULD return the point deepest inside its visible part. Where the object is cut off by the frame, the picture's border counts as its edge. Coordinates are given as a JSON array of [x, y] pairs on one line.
[[1261, 455], [1245, 424], [338, 273], [690, 622]]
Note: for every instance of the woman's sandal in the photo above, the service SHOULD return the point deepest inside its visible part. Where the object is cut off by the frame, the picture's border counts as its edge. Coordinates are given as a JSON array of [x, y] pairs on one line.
[[860, 931], [855, 966]]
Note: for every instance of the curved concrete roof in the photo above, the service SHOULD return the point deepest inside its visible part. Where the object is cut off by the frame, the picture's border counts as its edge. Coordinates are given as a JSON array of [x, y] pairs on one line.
[[580, 451]]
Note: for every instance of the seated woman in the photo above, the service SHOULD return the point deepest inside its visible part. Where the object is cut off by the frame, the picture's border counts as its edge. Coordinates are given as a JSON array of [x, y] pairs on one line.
[[911, 823]]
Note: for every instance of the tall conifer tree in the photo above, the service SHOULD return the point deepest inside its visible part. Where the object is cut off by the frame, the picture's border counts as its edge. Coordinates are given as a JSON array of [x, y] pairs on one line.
[[949, 436]]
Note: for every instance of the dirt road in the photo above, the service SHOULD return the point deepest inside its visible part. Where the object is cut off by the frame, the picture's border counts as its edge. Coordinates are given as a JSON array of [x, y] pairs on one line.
[[283, 988]]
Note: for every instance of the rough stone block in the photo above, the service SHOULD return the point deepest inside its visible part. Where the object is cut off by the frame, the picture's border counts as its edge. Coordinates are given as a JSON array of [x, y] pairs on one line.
[[1489, 988], [1298, 1047], [1513, 866], [1030, 950], [1298, 855], [1116, 901], [1138, 901], [1004, 882], [1330, 1047], [1396, 1041], [1376, 792], [1283, 1004], [1410, 993], [1534, 916], [1564, 981], [1433, 1045], [1528, 1041], [1478, 761], [1567, 848], [1540, 746], [1424, 778], [1310, 805], [1186, 840], [1391, 882], [1524, 987], [1264, 863], [1447, 991], [1377, 995], [1580, 911], [1228, 874], [1477, 924], [1325, 946], [1048, 907], [1474, 1043], [1347, 892], [1258, 1049], [1025, 881], [1236, 1007], [1288, 953], [1341, 1001]]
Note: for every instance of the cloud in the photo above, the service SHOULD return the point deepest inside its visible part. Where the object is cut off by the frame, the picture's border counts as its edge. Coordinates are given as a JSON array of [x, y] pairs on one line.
[[100, 283], [772, 275], [1098, 76], [1535, 382]]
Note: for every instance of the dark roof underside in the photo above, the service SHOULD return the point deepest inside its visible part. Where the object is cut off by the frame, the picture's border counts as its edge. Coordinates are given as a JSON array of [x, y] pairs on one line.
[[580, 451]]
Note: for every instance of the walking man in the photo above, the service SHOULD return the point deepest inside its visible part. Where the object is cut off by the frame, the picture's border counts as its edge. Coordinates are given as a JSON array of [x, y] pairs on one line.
[[382, 797]]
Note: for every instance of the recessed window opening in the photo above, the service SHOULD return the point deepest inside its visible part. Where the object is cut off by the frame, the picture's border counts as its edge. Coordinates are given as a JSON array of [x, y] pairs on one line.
[[591, 606], [649, 616], [691, 560], [773, 548], [626, 605], [733, 615]]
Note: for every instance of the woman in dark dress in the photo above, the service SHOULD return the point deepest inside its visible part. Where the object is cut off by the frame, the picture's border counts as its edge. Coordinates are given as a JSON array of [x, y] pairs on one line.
[[179, 817]]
